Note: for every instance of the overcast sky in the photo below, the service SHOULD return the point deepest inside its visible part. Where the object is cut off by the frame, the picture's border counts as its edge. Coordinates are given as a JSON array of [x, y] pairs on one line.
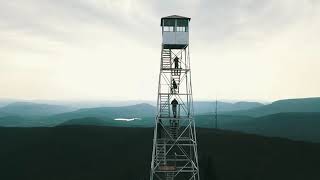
[[110, 49]]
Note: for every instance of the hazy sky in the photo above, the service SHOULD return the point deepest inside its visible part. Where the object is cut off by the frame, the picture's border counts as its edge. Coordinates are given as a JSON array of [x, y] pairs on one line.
[[110, 49]]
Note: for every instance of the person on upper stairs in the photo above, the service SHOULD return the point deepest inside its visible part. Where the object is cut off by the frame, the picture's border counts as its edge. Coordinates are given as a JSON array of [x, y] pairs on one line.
[[174, 86], [174, 104], [176, 65]]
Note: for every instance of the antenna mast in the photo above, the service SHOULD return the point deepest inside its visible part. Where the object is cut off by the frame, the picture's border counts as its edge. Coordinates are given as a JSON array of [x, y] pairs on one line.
[[216, 113]]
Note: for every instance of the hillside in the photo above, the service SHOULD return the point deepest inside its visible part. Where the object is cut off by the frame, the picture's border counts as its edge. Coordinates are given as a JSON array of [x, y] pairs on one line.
[[143, 122], [4, 101], [298, 126], [205, 107], [13, 121], [208, 121], [106, 113], [84, 121], [24, 109], [4, 114], [288, 105], [293, 125], [35, 115], [76, 153]]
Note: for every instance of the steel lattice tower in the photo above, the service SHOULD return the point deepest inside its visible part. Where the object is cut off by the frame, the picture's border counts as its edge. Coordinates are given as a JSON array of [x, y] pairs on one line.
[[174, 154]]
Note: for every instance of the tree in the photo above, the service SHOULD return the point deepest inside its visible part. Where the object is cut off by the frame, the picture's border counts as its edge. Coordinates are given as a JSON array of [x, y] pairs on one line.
[[209, 170]]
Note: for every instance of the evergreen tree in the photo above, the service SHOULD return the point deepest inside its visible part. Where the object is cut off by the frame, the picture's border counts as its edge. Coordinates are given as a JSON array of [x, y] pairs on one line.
[[209, 169]]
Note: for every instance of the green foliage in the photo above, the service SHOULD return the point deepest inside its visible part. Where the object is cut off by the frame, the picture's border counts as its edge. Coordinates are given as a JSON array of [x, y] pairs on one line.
[[100, 153]]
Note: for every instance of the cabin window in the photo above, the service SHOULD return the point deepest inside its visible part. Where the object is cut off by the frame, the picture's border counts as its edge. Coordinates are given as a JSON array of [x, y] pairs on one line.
[[181, 29], [168, 25], [182, 25], [168, 28]]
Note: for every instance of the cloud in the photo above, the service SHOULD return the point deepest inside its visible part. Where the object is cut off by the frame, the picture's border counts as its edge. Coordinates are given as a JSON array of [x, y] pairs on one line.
[[73, 47]]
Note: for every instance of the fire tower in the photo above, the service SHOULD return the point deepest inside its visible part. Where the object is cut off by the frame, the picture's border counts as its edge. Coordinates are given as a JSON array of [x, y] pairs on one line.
[[174, 154]]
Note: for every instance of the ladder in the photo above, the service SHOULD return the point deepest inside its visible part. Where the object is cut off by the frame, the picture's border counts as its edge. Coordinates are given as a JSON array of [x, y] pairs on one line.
[[166, 59]]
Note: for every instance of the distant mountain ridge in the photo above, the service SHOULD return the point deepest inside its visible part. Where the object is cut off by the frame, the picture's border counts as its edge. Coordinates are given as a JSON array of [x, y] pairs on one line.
[[33, 109], [205, 107], [286, 105], [292, 118], [113, 112], [107, 113]]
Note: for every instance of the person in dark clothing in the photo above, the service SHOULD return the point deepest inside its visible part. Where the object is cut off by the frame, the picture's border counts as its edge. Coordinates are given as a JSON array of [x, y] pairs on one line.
[[159, 129], [174, 104], [174, 86], [176, 64]]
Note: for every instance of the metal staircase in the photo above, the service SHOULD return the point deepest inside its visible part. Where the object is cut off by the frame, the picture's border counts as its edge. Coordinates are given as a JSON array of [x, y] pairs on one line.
[[161, 151], [170, 175], [176, 78], [166, 59], [164, 105], [174, 128]]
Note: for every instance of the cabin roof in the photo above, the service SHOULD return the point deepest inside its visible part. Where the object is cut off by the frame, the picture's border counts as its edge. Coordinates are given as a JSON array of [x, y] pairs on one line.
[[174, 17]]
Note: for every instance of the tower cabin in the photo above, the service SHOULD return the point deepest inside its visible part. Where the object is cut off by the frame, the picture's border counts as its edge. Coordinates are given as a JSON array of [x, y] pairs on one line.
[[175, 32]]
